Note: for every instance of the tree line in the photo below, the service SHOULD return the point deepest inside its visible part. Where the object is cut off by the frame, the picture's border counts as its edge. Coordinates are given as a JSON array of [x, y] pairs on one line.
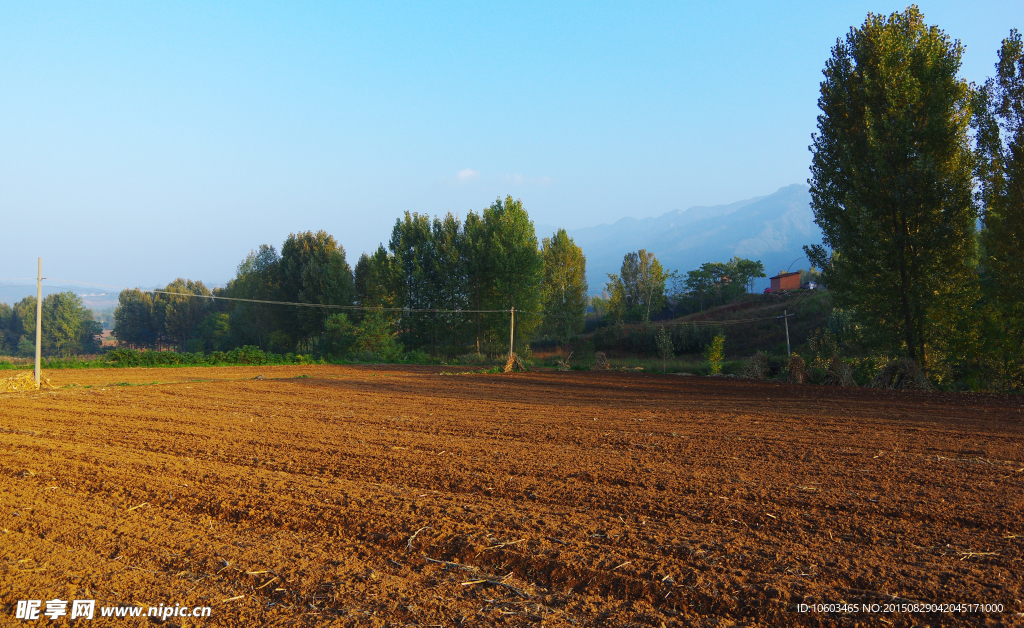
[[443, 285], [68, 327]]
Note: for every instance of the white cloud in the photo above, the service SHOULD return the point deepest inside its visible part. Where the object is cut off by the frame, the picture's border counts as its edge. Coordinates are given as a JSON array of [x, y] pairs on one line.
[[467, 175]]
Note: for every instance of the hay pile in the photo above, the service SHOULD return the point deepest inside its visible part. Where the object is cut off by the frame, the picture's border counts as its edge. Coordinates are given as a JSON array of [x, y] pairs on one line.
[[600, 362], [758, 367], [22, 382], [901, 375], [514, 364], [838, 373], [796, 371]]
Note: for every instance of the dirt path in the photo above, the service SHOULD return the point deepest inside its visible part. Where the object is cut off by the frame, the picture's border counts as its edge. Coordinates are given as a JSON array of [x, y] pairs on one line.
[[399, 496]]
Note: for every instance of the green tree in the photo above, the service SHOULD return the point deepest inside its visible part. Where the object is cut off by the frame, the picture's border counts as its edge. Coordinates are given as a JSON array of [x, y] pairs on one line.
[[448, 275], [700, 284], [23, 326], [639, 288], [313, 270], [62, 323], [412, 246], [68, 326], [133, 319], [211, 334], [478, 273], [891, 181], [258, 277], [339, 335], [999, 124], [376, 335], [564, 286], [375, 278], [515, 269], [744, 271], [6, 319], [179, 309], [600, 304]]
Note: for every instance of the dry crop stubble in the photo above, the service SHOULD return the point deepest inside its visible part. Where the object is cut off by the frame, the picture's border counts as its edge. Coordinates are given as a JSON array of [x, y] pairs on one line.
[[396, 496]]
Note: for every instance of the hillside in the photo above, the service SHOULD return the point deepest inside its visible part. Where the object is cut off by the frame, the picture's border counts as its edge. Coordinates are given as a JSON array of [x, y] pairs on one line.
[[751, 325], [761, 328]]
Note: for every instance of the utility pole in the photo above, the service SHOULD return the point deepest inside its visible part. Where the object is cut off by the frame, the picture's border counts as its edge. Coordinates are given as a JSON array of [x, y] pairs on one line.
[[512, 333], [785, 318], [39, 319]]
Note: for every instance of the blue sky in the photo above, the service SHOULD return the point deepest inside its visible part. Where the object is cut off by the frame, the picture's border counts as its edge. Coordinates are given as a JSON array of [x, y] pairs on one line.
[[140, 142]]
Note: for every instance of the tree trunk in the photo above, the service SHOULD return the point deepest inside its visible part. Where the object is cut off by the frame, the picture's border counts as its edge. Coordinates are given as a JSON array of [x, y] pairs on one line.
[[908, 324]]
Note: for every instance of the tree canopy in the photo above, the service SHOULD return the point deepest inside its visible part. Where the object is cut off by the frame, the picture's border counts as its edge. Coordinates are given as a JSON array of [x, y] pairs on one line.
[[891, 181], [564, 286], [639, 288]]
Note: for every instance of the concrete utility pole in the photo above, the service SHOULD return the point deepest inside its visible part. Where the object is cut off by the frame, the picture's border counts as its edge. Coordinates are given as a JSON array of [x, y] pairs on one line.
[[512, 333], [39, 319], [785, 317]]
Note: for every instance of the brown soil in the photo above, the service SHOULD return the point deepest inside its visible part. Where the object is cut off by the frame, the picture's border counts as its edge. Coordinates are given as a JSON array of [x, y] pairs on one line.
[[399, 496]]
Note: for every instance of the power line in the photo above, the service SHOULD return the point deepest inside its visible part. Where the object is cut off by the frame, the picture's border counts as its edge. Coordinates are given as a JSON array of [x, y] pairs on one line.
[[295, 303]]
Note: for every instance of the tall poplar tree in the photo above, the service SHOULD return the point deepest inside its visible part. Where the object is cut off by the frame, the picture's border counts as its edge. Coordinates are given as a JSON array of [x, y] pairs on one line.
[[313, 270], [999, 121], [564, 287], [891, 181], [515, 269], [639, 289]]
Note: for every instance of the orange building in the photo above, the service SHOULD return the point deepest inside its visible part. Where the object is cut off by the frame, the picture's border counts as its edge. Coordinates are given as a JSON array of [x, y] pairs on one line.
[[786, 281]]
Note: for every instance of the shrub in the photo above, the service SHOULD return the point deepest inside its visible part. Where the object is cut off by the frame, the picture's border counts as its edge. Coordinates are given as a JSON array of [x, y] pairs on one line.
[[838, 373], [796, 371], [758, 366], [716, 354], [903, 374]]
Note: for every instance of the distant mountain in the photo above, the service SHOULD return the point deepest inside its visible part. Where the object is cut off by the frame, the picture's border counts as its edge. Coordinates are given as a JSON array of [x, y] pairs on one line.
[[771, 228]]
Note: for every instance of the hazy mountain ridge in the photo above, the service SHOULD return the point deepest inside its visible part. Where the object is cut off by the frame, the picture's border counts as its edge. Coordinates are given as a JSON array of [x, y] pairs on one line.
[[771, 228]]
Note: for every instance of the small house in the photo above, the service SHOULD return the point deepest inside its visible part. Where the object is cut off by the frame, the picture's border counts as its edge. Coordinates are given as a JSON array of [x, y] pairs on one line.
[[786, 281]]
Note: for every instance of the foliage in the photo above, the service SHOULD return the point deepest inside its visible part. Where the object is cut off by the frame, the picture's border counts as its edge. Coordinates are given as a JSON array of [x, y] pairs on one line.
[[901, 374], [339, 336], [758, 366], [177, 311], [838, 373], [516, 268], [686, 338], [639, 288], [823, 345], [666, 349], [247, 355], [375, 279], [891, 184], [67, 326], [256, 279], [715, 354], [717, 281], [999, 126], [313, 270], [133, 319], [376, 335], [564, 286]]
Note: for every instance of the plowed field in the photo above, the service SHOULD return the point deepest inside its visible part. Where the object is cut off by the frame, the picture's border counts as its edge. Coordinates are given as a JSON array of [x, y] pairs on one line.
[[401, 496]]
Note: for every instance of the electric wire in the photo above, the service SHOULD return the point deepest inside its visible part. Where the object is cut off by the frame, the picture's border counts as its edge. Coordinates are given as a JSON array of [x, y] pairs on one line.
[[366, 308]]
